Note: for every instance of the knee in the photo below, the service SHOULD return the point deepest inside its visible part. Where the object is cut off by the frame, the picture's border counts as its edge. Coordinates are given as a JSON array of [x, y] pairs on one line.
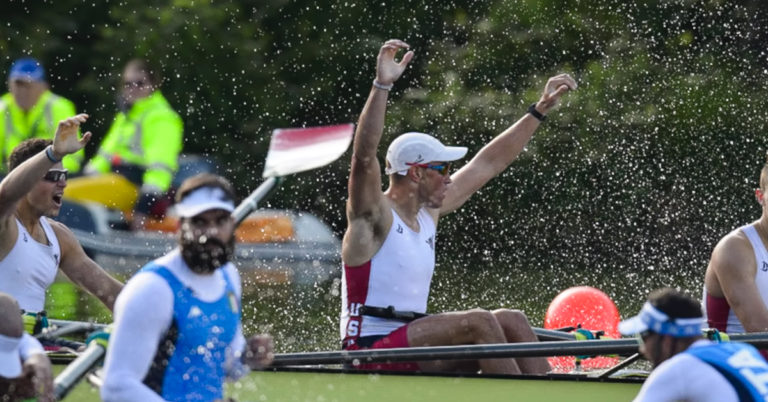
[[512, 317], [480, 321]]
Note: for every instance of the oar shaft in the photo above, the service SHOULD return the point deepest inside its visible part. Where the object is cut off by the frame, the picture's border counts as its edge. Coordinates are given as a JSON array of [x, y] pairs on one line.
[[250, 203], [76, 370], [503, 350]]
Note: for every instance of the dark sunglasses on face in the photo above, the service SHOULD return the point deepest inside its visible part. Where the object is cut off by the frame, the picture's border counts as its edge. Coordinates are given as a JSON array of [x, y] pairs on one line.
[[54, 176], [442, 168]]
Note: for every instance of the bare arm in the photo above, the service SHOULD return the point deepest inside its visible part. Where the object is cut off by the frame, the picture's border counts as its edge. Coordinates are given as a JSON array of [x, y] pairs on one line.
[[734, 267], [16, 185], [82, 270], [366, 208], [498, 154]]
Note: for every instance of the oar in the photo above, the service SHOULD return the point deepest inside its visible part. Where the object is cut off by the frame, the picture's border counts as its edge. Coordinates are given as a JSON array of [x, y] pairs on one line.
[[290, 151], [473, 352], [69, 327], [75, 371], [294, 150], [625, 346], [624, 363]]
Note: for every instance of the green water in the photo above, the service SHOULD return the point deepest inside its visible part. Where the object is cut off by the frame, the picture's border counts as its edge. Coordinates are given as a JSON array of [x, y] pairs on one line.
[[306, 318]]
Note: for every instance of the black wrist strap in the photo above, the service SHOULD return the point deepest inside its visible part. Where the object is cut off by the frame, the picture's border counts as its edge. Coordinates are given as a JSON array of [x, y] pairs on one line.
[[535, 113]]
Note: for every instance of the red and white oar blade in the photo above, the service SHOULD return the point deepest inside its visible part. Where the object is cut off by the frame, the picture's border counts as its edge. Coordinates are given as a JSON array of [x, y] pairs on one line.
[[293, 150]]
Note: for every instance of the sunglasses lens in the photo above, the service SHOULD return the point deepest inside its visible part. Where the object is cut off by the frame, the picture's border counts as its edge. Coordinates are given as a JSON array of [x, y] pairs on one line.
[[55, 175]]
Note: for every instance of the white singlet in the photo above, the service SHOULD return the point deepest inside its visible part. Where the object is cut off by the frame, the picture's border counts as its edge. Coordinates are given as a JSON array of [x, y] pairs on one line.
[[684, 377], [398, 275], [30, 267], [717, 310]]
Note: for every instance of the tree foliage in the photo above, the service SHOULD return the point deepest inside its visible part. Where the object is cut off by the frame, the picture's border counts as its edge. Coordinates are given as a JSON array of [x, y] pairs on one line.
[[645, 166]]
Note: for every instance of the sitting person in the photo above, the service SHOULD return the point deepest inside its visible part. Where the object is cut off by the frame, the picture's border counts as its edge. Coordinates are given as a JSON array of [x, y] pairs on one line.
[[686, 366], [25, 370], [144, 141], [388, 249]]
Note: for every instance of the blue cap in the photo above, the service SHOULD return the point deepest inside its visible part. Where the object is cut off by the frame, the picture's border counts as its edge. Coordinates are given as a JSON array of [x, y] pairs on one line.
[[27, 69]]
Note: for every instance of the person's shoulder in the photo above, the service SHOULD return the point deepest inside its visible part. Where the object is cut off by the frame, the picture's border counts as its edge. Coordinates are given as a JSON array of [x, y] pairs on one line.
[[148, 283], [735, 242], [62, 103], [61, 231]]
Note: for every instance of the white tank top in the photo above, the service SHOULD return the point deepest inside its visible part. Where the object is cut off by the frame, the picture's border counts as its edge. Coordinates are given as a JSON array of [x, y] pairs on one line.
[[30, 267], [398, 275], [733, 325]]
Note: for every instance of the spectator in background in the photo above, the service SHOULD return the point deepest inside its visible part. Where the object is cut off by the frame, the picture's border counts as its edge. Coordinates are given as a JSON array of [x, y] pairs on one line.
[[31, 110], [144, 141]]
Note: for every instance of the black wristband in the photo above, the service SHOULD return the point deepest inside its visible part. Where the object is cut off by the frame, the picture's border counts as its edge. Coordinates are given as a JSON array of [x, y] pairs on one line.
[[535, 113]]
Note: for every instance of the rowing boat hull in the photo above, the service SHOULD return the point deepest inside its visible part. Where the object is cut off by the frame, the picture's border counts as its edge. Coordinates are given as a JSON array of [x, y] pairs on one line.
[[339, 385]]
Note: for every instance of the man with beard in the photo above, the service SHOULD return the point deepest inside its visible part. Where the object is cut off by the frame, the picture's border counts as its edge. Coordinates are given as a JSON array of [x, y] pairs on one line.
[[177, 331], [32, 246], [686, 366]]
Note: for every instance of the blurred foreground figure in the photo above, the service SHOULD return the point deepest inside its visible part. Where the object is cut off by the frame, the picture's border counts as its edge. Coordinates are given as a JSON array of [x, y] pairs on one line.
[[177, 333], [686, 366], [25, 371], [144, 141], [34, 247], [31, 110], [736, 282], [388, 249]]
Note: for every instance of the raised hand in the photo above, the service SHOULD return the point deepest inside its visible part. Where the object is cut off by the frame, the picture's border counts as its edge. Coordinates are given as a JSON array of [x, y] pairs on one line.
[[65, 140], [387, 69], [260, 351], [555, 88]]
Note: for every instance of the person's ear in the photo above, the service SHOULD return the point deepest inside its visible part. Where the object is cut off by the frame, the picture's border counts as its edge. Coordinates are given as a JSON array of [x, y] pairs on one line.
[[415, 174], [759, 196]]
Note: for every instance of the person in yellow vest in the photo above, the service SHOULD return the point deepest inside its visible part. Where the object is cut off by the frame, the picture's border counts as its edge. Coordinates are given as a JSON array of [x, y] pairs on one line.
[[144, 141], [31, 110]]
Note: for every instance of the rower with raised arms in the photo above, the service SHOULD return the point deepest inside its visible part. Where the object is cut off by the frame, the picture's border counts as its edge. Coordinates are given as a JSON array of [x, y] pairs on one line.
[[177, 331], [686, 366], [32, 245], [388, 250]]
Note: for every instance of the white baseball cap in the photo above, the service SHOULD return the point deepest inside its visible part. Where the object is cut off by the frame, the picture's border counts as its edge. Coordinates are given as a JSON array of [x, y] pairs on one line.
[[413, 148], [204, 199], [10, 359]]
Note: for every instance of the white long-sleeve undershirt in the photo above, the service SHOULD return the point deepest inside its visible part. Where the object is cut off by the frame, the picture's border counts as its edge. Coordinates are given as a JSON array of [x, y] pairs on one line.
[[144, 313]]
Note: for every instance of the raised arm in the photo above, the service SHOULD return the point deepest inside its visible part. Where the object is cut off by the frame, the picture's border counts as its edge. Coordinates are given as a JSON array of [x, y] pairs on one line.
[[366, 207], [733, 264], [17, 184], [498, 154], [82, 270]]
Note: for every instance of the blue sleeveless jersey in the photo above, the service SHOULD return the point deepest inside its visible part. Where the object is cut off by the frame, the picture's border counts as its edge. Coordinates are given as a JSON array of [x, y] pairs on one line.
[[189, 363], [741, 364]]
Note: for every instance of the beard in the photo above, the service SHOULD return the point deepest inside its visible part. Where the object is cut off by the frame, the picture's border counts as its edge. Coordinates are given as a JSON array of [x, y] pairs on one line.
[[204, 255]]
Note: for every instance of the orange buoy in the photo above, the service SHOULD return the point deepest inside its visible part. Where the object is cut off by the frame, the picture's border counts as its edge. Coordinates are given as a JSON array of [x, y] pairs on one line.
[[587, 308]]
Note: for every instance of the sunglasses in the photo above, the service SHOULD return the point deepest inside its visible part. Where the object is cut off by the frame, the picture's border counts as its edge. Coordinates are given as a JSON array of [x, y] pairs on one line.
[[54, 176], [442, 168]]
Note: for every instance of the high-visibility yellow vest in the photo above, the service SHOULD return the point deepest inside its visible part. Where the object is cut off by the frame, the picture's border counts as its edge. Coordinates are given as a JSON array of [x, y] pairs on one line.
[[149, 135], [39, 122]]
